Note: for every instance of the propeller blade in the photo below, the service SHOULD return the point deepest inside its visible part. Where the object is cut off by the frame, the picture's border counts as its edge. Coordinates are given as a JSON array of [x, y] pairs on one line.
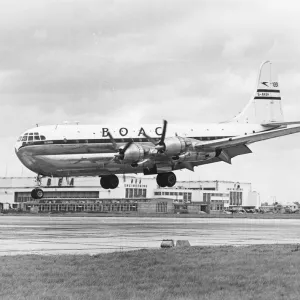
[[123, 150], [112, 140], [149, 138], [162, 139]]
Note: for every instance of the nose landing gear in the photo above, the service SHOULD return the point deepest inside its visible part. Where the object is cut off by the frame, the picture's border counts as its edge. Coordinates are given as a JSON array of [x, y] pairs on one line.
[[166, 179]]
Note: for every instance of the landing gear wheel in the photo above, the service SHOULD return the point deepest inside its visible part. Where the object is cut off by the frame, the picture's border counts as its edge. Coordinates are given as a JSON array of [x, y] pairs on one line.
[[160, 180], [170, 179], [109, 182], [104, 182], [113, 181], [166, 179], [37, 193]]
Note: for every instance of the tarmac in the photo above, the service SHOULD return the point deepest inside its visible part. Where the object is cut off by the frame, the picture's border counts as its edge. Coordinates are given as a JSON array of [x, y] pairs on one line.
[[21, 235]]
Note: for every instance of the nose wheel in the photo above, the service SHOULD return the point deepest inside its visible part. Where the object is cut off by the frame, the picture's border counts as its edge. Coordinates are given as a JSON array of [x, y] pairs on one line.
[[166, 179], [37, 193]]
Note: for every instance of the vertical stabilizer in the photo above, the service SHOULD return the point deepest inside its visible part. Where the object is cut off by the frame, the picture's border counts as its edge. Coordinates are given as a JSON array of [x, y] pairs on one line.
[[265, 104]]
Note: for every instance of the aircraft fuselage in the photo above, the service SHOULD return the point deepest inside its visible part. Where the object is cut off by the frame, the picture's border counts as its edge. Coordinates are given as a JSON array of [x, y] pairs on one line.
[[87, 150]]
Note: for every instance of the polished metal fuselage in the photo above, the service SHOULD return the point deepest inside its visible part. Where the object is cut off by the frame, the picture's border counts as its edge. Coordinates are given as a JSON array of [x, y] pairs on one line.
[[86, 150]]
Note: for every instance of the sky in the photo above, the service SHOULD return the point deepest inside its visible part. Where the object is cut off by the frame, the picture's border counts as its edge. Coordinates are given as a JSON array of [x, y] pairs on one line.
[[101, 62]]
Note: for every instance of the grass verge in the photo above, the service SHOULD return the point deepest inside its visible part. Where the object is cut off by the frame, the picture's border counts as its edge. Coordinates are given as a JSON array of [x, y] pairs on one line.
[[252, 272]]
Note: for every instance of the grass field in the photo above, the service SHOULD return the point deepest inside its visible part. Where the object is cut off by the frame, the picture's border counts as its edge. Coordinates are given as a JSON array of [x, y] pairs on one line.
[[253, 272]]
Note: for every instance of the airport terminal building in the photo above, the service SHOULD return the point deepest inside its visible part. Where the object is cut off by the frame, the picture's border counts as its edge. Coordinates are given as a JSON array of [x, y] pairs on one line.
[[139, 194]]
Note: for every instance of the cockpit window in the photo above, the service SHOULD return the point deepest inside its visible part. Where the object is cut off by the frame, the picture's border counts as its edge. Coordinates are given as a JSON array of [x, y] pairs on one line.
[[31, 136]]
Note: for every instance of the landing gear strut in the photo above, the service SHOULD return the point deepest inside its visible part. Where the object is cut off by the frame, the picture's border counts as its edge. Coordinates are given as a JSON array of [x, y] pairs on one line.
[[166, 179], [37, 193], [109, 182]]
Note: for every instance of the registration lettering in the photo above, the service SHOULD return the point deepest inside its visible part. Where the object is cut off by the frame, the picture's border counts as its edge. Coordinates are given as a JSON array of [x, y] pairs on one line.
[[263, 94]]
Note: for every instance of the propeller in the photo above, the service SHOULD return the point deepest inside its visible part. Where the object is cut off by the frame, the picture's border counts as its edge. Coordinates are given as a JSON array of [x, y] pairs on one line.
[[160, 146], [121, 151]]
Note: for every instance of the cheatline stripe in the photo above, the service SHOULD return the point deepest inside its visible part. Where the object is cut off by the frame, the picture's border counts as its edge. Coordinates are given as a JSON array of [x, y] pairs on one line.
[[268, 91], [106, 141], [268, 98]]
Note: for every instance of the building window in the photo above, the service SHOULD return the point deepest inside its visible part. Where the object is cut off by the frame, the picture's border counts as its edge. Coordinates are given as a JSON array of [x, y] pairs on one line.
[[206, 197], [236, 198], [161, 207], [144, 193], [130, 193]]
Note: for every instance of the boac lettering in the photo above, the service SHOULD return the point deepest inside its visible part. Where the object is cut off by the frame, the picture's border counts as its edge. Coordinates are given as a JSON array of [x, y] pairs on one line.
[[123, 131], [157, 131], [142, 131], [104, 132]]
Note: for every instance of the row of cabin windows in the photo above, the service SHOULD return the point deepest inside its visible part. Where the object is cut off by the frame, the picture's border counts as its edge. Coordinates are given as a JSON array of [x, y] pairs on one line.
[[34, 136], [208, 138]]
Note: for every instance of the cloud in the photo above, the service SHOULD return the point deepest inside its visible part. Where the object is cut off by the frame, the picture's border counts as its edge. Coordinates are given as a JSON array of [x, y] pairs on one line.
[[142, 61]]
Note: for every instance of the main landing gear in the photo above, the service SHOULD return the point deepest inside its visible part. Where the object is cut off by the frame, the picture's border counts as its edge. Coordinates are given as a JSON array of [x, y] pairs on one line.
[[109, 181], [37, 193], [166, 179]]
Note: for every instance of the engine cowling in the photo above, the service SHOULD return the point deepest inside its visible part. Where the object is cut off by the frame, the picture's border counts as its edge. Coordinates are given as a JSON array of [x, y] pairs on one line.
[[174, 145], [134, 153]]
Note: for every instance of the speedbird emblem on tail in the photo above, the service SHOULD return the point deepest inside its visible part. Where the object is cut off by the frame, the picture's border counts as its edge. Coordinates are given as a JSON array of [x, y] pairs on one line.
[[97, 150]]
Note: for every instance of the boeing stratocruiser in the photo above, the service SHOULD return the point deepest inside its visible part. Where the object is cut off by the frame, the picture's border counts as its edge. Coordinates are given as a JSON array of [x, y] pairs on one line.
[[71, 150]]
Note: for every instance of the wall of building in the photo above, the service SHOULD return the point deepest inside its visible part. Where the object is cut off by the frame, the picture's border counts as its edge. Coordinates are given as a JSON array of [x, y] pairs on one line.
[[160, 205], [217, 195]]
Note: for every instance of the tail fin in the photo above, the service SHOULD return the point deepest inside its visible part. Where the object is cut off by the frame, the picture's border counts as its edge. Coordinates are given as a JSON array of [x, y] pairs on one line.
[[265, 105]]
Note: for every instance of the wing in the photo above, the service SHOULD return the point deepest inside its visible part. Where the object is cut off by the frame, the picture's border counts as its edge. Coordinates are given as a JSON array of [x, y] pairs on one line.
[[245, 139], [231, 152]]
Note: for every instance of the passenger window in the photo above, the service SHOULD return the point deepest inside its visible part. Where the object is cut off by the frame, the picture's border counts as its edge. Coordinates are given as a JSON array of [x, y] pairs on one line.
[[36, 133], [24, 139], [36, 138], [30, 138], [43, 138], [26, 134], [30, 133]]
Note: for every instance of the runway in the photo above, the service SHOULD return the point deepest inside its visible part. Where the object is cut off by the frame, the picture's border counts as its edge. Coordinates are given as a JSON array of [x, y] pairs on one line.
[[92, 235]]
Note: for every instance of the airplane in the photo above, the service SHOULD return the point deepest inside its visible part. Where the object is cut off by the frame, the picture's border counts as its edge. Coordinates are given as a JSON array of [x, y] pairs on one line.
[[71, 150]]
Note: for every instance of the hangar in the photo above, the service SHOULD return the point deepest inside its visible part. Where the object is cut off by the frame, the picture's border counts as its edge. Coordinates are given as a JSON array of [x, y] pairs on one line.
[[135, 194]]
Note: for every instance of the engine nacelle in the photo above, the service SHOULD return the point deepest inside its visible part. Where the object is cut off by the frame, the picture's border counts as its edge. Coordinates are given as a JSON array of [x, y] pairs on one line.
[[174, 145], [134, 153]]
